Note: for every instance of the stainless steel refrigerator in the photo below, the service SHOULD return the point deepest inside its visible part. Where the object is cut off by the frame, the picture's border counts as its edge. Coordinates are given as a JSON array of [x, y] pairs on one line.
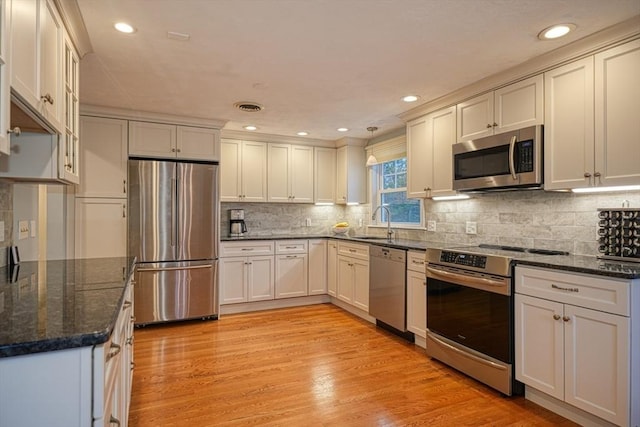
[[173, 232]]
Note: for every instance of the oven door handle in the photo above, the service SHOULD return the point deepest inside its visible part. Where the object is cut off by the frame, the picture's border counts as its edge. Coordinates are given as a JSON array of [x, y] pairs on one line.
[[462, 279], [469, 355], [512, 149]]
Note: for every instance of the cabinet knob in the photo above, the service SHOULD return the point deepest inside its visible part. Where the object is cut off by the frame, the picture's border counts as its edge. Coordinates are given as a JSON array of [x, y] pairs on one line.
[[16, 131], [173, 150], [114, 420], [587, 175], [489, 126], [178, 150], [556, 317], [47, 98], [495, 124], [597, 174], [566, 318]]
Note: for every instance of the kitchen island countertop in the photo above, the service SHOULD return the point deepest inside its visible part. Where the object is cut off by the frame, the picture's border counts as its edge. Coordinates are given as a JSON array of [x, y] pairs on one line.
[[55, 305]]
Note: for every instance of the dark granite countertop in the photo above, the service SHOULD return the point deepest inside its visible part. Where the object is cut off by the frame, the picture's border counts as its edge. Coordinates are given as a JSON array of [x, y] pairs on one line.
[[574, 263], [54, 305]]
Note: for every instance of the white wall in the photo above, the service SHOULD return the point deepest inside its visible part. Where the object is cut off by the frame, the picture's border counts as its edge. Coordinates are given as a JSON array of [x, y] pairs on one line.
[[25, 208]]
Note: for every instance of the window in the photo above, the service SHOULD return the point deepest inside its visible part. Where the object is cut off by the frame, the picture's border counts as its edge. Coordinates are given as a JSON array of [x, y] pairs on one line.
[[390, 188]]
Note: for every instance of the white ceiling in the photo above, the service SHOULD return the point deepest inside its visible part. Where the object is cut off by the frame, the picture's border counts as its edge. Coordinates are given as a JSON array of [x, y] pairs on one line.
[[315, 64]]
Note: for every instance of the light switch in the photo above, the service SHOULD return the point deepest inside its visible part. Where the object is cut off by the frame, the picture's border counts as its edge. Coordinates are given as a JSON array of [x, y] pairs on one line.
[[23, 229], [431, 226]]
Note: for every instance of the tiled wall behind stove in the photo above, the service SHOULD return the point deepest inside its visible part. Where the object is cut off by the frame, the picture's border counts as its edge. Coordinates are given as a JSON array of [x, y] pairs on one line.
[[563, 221], [6, 215]]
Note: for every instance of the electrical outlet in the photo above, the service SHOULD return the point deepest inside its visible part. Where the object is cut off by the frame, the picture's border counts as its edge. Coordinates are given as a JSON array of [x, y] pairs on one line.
[[472, 227], [23, 229], [32, 228], [359, 222], [307, 222], [431, 226]]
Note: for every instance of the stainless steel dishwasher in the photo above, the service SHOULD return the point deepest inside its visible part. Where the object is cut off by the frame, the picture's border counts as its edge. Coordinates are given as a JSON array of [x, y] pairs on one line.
[[387, 286]]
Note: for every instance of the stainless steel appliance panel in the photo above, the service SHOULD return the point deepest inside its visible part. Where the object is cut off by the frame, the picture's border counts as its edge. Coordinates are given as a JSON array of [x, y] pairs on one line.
[[196, 220], [152, 235], [387, 286], [170, 291]]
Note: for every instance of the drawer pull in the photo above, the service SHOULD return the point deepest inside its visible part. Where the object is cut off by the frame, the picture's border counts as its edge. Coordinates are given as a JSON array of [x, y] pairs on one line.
[[114, 420], [291, 247], [246, 249], [560, 288], [413, 261], [126, 305], [353, 250], [292, 256], [114, 350]]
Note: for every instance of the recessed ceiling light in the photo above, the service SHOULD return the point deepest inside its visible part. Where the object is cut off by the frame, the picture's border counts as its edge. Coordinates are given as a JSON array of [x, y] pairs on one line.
[[250, 127], [343, 129], [123, 27], [556, 31], [302, 133], [410, 98]]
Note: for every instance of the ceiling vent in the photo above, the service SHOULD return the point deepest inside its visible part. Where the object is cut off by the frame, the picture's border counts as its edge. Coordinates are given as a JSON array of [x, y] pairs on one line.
[[249, 107]]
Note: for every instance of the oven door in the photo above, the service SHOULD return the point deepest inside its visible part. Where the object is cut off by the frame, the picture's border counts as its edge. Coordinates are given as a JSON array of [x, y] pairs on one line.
[[473, 311]]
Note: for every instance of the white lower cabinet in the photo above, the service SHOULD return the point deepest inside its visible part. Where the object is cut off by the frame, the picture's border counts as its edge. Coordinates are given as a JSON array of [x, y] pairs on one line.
[[353, 274], [317, 267], [573, 341], [332, 267], [416, 295], [246, 279], [292, 268]]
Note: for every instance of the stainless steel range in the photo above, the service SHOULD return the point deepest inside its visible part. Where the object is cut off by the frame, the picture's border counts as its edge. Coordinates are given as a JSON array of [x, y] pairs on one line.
[[470, 311]]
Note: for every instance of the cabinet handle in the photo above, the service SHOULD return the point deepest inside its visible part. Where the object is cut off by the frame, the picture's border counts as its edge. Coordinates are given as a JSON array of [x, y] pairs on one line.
[[124, 210], [597, 174], [126, 305], [587, 175], [47, 98], [566, 318], [114, 420], [292, 256], [413, 261], [114, 350], [16, 131], [556, 317], [178, 150], [124, 186], [565, 289], [290, 247], [133, 365], [130, 340], [489, 126], [246, 249], [353, 250], [173, 150]]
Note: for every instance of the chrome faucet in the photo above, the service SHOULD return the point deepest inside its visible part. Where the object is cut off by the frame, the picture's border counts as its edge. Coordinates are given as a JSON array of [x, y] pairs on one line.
[[389, 231]]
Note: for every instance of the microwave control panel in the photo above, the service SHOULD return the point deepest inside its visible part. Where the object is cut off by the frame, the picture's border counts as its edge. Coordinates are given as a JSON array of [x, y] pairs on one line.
[[524, 156]]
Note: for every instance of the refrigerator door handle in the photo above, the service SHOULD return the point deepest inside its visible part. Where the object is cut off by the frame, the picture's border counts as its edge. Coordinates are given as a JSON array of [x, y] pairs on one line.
[[174, 185], [193, 267]]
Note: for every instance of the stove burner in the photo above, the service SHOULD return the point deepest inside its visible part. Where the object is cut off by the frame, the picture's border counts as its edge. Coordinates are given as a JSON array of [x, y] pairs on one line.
[[523, 250]]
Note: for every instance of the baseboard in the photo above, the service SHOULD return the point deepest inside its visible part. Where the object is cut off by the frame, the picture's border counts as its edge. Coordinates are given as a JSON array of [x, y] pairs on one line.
[[353, 310], [272, 304]]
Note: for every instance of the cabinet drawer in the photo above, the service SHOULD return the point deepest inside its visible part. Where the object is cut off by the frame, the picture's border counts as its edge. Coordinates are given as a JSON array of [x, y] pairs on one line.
[[353, 250], [415, 261], [254, 247], [291, 247], [599, 293]]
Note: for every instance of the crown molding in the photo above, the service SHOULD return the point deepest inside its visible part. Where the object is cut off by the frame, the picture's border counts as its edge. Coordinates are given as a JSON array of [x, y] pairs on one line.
[[147, 116], [73, 22], [282, 139], [609, 37]]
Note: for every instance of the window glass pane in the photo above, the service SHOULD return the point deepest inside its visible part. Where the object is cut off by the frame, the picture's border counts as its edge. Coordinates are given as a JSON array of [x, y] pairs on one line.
[[401, 180], [388, 168], [389, 181], [401, 165], [402, 209]]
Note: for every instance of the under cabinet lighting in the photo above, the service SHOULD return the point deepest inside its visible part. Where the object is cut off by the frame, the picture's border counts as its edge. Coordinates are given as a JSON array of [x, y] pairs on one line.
[[302, 133], [123, 27], [324, 204], [456, 197], [353, 204], [343, 129], [606, 189], [250, 127]]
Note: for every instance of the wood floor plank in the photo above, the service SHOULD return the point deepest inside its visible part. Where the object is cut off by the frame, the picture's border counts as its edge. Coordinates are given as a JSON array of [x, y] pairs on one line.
[[306, 366]]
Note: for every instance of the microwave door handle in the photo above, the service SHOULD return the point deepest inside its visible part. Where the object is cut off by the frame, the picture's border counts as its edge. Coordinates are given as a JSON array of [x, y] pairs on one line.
[[512, 149]]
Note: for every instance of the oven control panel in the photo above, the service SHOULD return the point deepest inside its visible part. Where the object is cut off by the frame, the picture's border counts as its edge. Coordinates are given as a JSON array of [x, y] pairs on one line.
[[468, 260]]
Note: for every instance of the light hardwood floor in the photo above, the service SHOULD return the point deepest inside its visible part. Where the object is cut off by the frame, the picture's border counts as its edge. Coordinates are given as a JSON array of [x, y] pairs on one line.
[[306, 366]]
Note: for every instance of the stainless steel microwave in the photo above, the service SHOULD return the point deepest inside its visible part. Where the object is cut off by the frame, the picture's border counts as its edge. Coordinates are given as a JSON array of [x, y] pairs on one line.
[[507, 161]]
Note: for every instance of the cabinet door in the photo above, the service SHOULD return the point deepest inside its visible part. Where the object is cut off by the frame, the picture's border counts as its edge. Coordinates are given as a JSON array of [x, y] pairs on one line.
[[475, 117], [51, 54], [341, 175], [278, 184], [104, 157], [193, 143], [617, 113], [568, 131], [332, 268], [291, 276], [254, 172], [233, 281], [442, 133], [417, 303], [539, 339], [70, 150], [419, 158], [301, 174], [230, 170], [324, 170], [361, 284], [597, 363], [318, 267], [4, 77], [152, 139], [346, 279], [260, 278], [519, 105], [101, 228], [24, 50], [351, 175]]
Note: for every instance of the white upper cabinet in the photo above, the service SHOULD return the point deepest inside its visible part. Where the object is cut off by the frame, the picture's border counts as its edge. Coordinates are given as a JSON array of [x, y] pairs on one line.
[[4, 76], [429, 155], [512, 107], [591, 120], [37, 58], [243, 171], [290, 173], [104, 157], [324, 169], [70, 146], [162, 140], [350, 175]]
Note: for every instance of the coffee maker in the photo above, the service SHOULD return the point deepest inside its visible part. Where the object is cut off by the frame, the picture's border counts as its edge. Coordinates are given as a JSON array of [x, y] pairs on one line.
[[237, 226]]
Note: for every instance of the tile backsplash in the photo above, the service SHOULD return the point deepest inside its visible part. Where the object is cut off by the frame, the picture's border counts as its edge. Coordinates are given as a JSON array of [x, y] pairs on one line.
[[563, 221]]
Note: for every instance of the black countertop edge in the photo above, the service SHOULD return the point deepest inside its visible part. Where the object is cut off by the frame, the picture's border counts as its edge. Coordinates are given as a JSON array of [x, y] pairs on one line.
[[59, 343], [417, 245]]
